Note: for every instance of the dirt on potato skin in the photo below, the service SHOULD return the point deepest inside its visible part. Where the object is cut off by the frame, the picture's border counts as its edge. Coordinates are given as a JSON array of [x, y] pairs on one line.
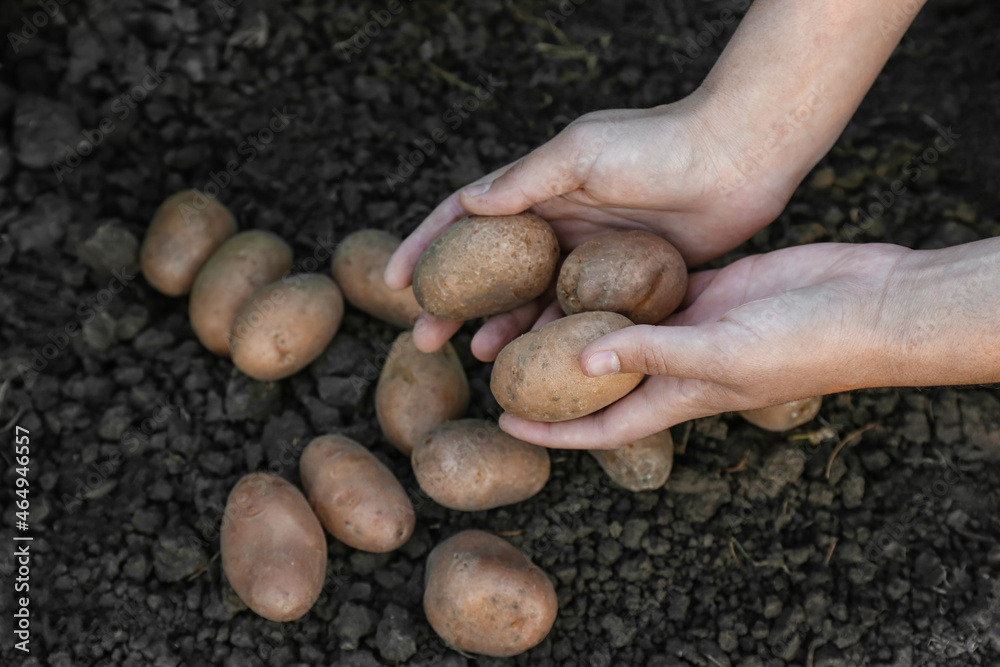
[[138, 434]]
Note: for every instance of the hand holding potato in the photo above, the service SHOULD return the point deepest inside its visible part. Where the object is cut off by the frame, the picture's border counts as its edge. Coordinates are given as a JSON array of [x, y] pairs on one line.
[[793, 323]]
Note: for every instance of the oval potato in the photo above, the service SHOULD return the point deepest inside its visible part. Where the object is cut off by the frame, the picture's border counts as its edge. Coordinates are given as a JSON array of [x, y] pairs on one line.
[[538, 375], [643, 465], [359, 268], [484, 265], [418, 391], [357, 499], [636, 273], [482, 595], [186, 229], [785, 416], [471, 465], [273, 548], [243, 264], [285, 326]]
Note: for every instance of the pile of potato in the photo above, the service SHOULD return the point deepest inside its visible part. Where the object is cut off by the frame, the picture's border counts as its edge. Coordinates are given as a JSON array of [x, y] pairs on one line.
[[482, 594]]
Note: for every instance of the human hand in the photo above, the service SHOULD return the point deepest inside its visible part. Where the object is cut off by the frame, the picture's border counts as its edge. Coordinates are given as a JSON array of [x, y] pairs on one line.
[[662, 170], [799, 322]]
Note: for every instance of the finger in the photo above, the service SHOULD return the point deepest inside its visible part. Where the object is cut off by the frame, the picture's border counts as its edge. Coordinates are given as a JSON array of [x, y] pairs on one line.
[[552, 313], [430, 333], [655, 405], [501, 329], [678, 351], [549, 171], [399, 269]]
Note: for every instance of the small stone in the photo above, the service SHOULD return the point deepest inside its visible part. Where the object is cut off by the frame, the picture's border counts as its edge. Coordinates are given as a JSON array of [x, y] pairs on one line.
[[897, 588], [113, 251], [45, 131], [250, 399], [821, 493], [113, 423], [131, 322], [633, 533], [782, 466], [341, 392], [147, 521], [152, 340], [178, 554], [353, 622], [99, 331], [396, 638], [136, 567], [852, 491]]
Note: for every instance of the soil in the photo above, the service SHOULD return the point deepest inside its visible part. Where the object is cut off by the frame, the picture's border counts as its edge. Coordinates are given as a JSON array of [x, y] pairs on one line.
[[886, 556]]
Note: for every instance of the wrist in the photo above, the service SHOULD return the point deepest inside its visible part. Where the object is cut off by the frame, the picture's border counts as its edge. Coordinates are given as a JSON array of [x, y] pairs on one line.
[[940, 319]]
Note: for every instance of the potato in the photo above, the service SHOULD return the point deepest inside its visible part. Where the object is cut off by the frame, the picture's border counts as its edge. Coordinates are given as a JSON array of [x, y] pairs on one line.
[[417, 392], [643, 465], [273, 548], [637, 274], [285, 326], [785, 416], [355, 496], [538, 375], [359, 266], [471, 465], [186, 229], [243, 264], [486, 265], [482, 595]]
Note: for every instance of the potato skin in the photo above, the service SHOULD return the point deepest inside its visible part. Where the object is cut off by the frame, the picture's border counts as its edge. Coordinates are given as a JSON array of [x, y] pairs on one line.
[[358, 267], [417, 392], [357, 499], [186, 229], [643, 465], [785, 416], [471, 465], [636, 273], [538, 375], [484, 265], [482, 595], [273, 548], [244, 264], [285, 326]]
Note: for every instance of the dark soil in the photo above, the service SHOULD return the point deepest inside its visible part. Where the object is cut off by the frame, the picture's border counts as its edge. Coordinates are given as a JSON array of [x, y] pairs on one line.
[[137, 433]]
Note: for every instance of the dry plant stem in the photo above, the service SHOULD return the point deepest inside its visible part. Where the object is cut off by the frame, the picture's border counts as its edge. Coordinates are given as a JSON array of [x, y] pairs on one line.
[[852, 438]]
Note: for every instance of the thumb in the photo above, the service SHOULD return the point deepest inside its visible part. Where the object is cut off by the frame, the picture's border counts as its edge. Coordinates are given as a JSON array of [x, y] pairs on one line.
[[549, 171], [678, 351]]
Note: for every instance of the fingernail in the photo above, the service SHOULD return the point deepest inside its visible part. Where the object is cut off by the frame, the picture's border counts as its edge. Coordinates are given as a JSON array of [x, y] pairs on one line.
[[478, 190], [603, 363]]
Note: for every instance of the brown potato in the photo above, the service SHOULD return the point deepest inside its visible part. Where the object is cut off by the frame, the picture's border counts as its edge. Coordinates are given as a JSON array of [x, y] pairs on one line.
[[273, 548], [359, 266], [538, 375], [471, 465], [285, 326], [486, 265], [355, 496], [417, 392], [186, 229], [643, 465], [243, 264], [785, 416], [482, 595], [637, 274]]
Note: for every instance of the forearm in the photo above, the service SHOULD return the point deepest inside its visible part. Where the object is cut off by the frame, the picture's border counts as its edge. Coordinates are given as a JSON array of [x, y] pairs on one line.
[[793, 75], [942, 317]]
